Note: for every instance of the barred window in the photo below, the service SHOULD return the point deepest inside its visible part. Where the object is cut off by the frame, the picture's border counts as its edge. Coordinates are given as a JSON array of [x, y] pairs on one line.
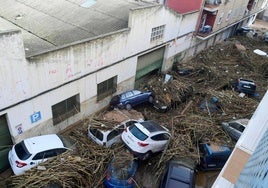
[[106, 88], [65, 109], [157, 33]]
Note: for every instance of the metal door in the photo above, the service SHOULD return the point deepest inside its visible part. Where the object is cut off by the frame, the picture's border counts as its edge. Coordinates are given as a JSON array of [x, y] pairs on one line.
[[5, 143]]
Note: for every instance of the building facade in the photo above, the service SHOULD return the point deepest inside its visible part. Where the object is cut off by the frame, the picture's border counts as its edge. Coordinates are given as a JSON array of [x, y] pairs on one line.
[[46, 91]]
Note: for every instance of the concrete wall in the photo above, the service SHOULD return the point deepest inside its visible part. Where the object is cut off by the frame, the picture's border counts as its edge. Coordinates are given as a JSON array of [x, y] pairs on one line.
[[13, 78]]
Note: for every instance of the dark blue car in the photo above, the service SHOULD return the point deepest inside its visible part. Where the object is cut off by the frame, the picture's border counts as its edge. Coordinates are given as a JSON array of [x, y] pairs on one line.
[[212, 156], [246, 86], [131, 98], [178, 175], [120, 173]]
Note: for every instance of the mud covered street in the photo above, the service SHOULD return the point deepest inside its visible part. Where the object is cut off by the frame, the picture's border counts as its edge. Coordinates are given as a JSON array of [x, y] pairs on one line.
[[211, 75]]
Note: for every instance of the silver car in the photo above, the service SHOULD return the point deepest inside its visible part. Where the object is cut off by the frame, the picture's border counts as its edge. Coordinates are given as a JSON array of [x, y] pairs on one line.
[[235, 128], [106, 136]]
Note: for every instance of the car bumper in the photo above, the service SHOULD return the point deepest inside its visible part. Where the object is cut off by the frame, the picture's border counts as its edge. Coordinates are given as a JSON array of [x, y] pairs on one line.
[[134, 152], [109, 184]]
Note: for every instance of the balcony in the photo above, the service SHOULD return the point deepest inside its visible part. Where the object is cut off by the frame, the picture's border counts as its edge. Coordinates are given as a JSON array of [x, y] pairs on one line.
[[212, 5]]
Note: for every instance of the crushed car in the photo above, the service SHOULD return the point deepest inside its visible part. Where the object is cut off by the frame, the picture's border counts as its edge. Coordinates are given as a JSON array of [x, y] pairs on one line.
[[121, 172], [178, 174], [131, 98], [105, 135], [245, 86], [213, 156], [235, 128]]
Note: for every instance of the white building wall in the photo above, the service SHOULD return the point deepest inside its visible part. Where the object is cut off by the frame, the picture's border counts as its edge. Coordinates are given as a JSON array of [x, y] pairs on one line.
[[14, 85]]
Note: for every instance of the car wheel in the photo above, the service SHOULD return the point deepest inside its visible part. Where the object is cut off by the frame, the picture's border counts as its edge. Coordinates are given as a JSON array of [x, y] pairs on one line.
[[128, 106], [146, 156], [151, 99]]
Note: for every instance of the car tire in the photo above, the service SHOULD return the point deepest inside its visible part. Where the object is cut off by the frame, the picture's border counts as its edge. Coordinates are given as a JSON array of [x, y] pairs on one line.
[[151, 99], [128, 106], [146, 156]]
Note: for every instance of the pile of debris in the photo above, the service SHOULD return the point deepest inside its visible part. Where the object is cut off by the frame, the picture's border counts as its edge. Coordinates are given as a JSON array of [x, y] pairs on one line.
[[199, 98]]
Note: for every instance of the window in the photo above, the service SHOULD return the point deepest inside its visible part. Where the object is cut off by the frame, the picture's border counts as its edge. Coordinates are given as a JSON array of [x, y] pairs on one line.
[[157, 33], [106, 88], [22, 151], [97, 134], [220, 18], [114, 133], [229, 15], [160, 137], [137, 133], [65, 109]]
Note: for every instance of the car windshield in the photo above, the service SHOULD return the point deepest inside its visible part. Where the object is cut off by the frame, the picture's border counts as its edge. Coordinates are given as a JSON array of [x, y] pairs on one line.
[[67, 142], [137, 133], [21, 151], [237, 126]]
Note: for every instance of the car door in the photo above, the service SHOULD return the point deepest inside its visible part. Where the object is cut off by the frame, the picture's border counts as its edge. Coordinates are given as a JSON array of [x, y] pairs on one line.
[[96, 135], [114, 136], [159, 142], [38, 158], [139, 97]]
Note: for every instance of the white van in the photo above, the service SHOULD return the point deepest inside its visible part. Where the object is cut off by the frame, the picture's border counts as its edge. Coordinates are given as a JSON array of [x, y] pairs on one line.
[[108, 136]]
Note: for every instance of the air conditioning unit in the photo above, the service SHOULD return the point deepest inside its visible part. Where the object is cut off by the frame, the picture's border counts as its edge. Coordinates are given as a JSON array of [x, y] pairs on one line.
[[207, 29], [213, 2]]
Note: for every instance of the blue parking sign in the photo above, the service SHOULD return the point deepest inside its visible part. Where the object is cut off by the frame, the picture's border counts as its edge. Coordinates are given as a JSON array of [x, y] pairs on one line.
[[35, 117]]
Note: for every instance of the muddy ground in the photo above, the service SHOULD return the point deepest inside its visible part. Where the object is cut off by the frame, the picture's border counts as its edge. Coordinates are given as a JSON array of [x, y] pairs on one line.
[[212, 72]]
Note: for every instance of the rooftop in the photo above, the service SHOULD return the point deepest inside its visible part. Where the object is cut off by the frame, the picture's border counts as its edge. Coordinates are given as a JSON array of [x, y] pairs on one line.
[[46, 25]]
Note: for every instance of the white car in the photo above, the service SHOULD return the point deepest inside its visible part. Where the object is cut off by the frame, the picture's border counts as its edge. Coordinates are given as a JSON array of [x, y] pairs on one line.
[[32, 151], [104, 136], [145, 138], [235, 128]]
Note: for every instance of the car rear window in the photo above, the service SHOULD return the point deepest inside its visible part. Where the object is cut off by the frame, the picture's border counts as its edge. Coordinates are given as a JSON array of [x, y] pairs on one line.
[[114, 133], [137, 133], [96, 133], [21, 151]]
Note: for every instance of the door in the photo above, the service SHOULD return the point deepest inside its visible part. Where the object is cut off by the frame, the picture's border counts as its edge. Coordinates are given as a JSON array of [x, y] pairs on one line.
[[149, 63], [5, 143]]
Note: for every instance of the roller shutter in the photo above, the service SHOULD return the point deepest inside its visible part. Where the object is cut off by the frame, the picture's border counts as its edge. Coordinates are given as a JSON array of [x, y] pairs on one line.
[[5, 143]]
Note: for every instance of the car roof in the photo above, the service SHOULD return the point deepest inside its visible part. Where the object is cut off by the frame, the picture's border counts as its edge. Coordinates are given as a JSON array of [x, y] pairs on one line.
[[213, 148], [42, 143], [152, 126], [246, 80], [179, 174]]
